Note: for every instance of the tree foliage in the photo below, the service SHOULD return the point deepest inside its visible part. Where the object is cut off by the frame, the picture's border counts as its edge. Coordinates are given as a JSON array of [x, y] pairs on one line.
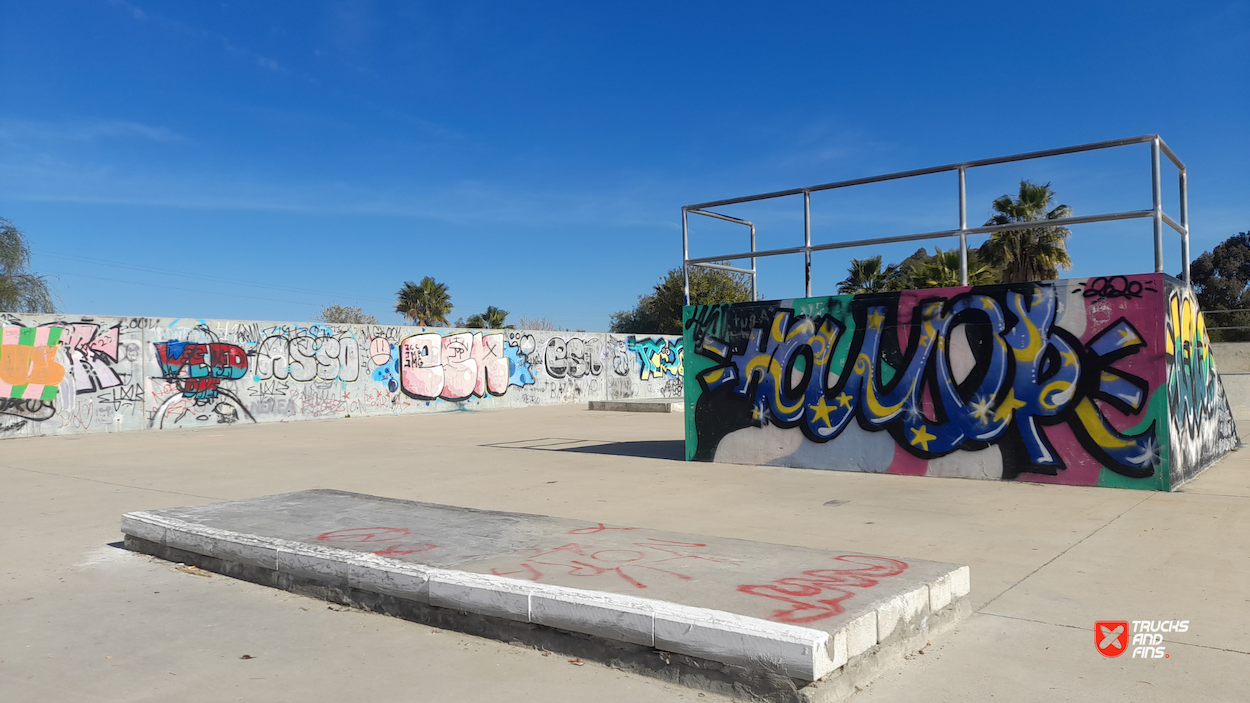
[[1221, 281], [344, 315], [426, 304], [492, 319], [659, 312], [20, 289], [920, 270], [1030, 253], [942, 271], [869, 276]]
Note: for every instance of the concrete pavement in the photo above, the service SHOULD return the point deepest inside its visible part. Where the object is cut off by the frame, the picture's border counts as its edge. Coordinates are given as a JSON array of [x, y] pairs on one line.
[[1048, 562]]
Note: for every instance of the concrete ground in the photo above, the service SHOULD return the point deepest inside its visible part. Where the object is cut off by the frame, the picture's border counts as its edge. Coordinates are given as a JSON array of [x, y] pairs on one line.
[[82, 620]]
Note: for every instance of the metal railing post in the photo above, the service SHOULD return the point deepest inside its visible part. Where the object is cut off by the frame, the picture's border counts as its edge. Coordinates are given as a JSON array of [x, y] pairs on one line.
[[1156, 188], [807, 242], [963, 225], [754, 274], [1184, 178], [685, 255]]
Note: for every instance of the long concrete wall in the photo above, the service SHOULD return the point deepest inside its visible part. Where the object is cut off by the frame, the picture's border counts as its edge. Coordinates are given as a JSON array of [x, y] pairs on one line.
[[1103, 381], [67, 374]]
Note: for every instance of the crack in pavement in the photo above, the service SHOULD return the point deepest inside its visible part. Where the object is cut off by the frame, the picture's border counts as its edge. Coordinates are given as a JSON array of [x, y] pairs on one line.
[[1065, 551], [1085, 629], [109, 483]]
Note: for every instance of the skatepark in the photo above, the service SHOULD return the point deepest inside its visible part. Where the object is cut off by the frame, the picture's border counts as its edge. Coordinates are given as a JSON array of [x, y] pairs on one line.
[[206, 508], [94, 621]]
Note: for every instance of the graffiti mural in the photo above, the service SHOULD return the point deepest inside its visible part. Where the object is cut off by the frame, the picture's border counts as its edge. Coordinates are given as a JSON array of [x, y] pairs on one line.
[[30, 374], [1199, 416], [1050, 381], [304, 358], [657, 357], [455, 366], [573, 357], [197, 371], [68, 375]]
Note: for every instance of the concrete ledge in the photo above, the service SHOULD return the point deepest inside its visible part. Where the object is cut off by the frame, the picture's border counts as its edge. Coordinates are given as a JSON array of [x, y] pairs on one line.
[[748, 633], [639, 405]]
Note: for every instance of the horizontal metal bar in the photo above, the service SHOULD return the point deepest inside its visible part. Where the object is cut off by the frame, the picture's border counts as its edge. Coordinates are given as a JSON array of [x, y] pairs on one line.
[[987, 229], [722, 267], [747, 255], [718, 216], [1171, 154], [1228, 328], [1144, 139], [1174, 224], [1219, 312]]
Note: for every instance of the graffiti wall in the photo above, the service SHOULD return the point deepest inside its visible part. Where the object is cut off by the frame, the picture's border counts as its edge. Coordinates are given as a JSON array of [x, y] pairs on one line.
[[68, 374], [1083, 381], [1199, 417]]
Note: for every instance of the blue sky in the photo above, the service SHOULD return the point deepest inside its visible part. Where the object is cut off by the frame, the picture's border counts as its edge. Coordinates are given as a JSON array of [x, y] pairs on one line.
[[260, 160]]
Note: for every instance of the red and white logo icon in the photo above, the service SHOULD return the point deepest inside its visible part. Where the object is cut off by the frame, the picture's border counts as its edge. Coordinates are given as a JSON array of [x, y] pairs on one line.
[[1111, 637]]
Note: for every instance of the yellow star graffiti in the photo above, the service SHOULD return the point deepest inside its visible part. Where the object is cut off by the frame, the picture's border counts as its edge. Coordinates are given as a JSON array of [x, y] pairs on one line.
[[1008, 406], [921, 437], [844, 400], [1069, 358], [820, 411], [875, 319]]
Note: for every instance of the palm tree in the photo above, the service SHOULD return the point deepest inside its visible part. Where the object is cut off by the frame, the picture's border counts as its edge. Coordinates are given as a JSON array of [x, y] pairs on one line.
[[491, 319], [426, 304], [942, 271], [1031, 253], [867, 276]]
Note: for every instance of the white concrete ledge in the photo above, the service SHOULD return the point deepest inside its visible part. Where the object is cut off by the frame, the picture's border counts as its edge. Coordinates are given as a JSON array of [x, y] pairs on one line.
[[799, 652]]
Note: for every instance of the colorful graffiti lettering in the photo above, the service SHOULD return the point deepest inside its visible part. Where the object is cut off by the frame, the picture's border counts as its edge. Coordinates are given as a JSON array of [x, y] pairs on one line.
[[657, 357], [90, 354], [975, 369], [199, 369], [1200, 419], [110, 374], [30, 375], [456, 366]]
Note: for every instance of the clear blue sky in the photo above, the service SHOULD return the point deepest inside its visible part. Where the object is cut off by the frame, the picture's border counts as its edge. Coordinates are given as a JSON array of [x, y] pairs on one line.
[[259, 160]]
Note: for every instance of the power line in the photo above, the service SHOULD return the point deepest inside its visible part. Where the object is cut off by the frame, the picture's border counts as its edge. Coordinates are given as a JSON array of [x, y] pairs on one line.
[[188, 290], [206, 277]]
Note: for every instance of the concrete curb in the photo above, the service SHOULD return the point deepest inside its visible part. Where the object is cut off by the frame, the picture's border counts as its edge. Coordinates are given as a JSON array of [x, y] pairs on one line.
[[798, 652], [639, 405]]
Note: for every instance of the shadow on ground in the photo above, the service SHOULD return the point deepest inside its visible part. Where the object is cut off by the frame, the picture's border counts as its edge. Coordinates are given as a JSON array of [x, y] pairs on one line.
[[674, 449]]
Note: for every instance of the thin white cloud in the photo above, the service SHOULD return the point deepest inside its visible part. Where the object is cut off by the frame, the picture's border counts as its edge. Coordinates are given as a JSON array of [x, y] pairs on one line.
[[25, 130]]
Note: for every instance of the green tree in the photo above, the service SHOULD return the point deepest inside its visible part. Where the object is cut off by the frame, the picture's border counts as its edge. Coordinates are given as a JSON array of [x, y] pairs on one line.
[[1221, 278], [942, 271], [426, 304], [492, 319], [659, 312], [1030, 253], [868, 276], [20, 289], [344, 315]]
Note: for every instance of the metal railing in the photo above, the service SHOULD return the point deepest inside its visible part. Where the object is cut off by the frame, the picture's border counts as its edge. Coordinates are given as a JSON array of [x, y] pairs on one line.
[[1157, 147]]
